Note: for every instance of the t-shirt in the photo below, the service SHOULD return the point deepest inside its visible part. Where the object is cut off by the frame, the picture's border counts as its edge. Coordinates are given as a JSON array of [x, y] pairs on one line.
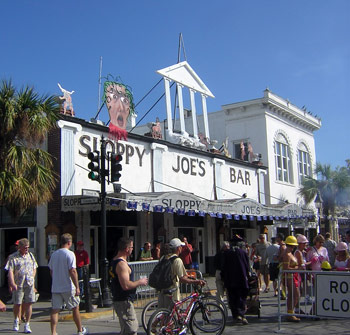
[[330, 246], [178, 271], [82, 258], [185, 254], [261, 251], [61, 261], [272, 253], [145, 254], [317, 256]]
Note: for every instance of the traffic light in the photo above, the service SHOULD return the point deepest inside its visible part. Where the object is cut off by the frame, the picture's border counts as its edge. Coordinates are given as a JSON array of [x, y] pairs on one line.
[[116, 167], [94, 165]]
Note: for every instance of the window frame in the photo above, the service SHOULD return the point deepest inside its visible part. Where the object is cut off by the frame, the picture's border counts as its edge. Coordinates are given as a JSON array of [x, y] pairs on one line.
[[304, 162], [283, 160]]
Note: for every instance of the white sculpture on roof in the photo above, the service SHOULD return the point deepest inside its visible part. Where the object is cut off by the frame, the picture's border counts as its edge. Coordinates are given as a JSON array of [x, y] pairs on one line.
[[67, 104], [184, 76]]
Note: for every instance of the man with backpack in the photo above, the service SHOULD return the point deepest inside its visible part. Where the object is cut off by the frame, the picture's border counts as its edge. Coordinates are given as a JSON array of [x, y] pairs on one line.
[[171, 270]]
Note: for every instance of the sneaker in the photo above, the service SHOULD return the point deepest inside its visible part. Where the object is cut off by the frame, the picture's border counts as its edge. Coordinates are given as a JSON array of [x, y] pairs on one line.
[[15, 325], [244, 321], [238, 319], [27, 329], [83, 331]]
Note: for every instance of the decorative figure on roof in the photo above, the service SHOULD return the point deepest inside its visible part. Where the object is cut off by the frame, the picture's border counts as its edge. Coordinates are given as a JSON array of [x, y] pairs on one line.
[[242, 151], [250, 152], [119, 101], [224, 148], [67, 104], [156, 130], [203, 140]]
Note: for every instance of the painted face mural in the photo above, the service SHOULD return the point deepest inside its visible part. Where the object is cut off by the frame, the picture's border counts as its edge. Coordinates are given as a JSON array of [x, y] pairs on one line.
[[119, 102]]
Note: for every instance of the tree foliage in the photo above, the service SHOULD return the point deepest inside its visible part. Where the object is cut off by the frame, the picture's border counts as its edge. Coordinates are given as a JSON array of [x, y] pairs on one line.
[[26, 175], [332, 187]]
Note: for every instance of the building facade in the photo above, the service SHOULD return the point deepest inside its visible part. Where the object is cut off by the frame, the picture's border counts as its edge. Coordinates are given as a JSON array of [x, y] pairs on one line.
[[179, 184]]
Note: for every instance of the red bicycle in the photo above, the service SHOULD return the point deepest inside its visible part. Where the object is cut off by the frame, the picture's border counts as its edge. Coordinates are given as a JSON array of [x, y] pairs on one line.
[[192, 313]]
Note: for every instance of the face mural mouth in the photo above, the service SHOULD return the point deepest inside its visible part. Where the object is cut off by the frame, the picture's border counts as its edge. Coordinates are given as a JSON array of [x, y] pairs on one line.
[[120, 121]]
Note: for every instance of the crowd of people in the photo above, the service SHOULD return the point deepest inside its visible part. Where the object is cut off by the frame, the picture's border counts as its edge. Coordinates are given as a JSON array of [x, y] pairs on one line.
[[189, 253], [235, 264], [267, 258]]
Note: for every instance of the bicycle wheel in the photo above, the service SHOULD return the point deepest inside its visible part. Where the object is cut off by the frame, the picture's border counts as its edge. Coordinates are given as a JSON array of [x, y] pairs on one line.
[[161, 323], [212, 298], [207, 318], [147, 311]]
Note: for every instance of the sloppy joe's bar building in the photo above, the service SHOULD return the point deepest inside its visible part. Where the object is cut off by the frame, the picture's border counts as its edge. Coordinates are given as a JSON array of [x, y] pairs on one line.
[[167, 190]]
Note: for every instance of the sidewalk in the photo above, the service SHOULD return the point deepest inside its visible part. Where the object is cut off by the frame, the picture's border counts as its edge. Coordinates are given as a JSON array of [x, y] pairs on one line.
[[102, 322]]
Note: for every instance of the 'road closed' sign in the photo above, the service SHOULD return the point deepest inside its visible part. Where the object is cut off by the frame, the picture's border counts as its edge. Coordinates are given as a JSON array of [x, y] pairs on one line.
[[333, 294]]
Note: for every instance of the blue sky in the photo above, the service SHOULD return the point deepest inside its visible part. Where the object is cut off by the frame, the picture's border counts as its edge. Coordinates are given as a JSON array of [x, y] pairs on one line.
[[299, 49]]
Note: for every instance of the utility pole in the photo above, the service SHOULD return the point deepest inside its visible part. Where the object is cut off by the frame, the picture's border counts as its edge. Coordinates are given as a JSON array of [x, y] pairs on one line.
[[106, 292]]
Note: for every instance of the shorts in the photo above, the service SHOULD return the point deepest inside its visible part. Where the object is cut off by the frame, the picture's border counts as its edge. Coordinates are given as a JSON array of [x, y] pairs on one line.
[[274, 271], [68, 298], [264, 269], [23, 294], [256, 265]]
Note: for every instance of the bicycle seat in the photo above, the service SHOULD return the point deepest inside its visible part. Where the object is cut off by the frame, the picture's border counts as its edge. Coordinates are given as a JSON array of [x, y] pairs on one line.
[[169, 291]]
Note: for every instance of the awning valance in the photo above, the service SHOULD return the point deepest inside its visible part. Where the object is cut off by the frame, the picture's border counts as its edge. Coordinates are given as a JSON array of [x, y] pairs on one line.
[[184, 203]]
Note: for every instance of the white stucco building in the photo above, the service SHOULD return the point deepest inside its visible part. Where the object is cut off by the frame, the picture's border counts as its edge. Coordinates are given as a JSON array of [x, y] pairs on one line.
[[183, 183]]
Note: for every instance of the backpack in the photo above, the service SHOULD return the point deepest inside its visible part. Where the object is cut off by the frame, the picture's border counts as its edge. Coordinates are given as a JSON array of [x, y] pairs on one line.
[[161, 277]]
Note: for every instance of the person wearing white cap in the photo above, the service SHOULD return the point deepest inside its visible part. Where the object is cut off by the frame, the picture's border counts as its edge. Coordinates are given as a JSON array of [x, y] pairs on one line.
[[179, 275], [300, 253], [342, 259]]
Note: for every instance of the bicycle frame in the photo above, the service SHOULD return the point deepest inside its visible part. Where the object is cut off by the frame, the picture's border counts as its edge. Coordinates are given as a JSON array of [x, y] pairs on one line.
[[194, 297]]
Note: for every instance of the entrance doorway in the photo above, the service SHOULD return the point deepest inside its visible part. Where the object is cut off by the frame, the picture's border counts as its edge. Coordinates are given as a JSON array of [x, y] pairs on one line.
[[113, 235], [8, 237], [195, 236]]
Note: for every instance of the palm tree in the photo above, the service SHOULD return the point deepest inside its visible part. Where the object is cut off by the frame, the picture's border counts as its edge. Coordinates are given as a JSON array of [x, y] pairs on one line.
[[26, 175], [332, 187]]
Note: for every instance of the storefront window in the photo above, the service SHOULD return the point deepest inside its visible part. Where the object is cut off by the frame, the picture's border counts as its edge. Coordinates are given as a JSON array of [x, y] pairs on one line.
[[29, 216]]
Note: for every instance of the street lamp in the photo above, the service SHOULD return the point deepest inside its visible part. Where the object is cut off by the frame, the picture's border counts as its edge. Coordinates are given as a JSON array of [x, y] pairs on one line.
[[318, 205]]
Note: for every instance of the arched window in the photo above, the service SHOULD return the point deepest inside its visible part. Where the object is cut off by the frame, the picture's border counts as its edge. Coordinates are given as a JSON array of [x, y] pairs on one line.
[[283, 160], [304, 163]]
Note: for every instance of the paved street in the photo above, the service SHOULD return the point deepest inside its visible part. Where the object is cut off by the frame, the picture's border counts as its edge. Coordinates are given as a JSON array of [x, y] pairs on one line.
[[101, 321]]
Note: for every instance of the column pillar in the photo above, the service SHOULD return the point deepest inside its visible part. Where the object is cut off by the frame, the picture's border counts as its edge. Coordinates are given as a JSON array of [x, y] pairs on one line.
[[205, 116], [181, 109], [194, 114], [168, 105]]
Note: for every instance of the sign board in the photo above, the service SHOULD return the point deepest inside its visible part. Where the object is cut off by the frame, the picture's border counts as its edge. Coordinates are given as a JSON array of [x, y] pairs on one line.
[[333, 294], [83, 203], [90, 193], [87, 201]]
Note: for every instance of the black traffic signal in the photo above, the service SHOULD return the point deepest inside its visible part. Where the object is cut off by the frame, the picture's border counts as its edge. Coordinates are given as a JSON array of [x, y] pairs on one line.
[[94, 165], [116, 167]]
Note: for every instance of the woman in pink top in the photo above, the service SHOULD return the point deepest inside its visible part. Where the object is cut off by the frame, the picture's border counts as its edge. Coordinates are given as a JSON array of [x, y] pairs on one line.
[[317, 254]]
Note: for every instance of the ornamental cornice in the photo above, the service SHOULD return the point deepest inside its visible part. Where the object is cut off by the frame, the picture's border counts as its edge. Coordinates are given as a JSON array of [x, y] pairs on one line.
[[284, 109]]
